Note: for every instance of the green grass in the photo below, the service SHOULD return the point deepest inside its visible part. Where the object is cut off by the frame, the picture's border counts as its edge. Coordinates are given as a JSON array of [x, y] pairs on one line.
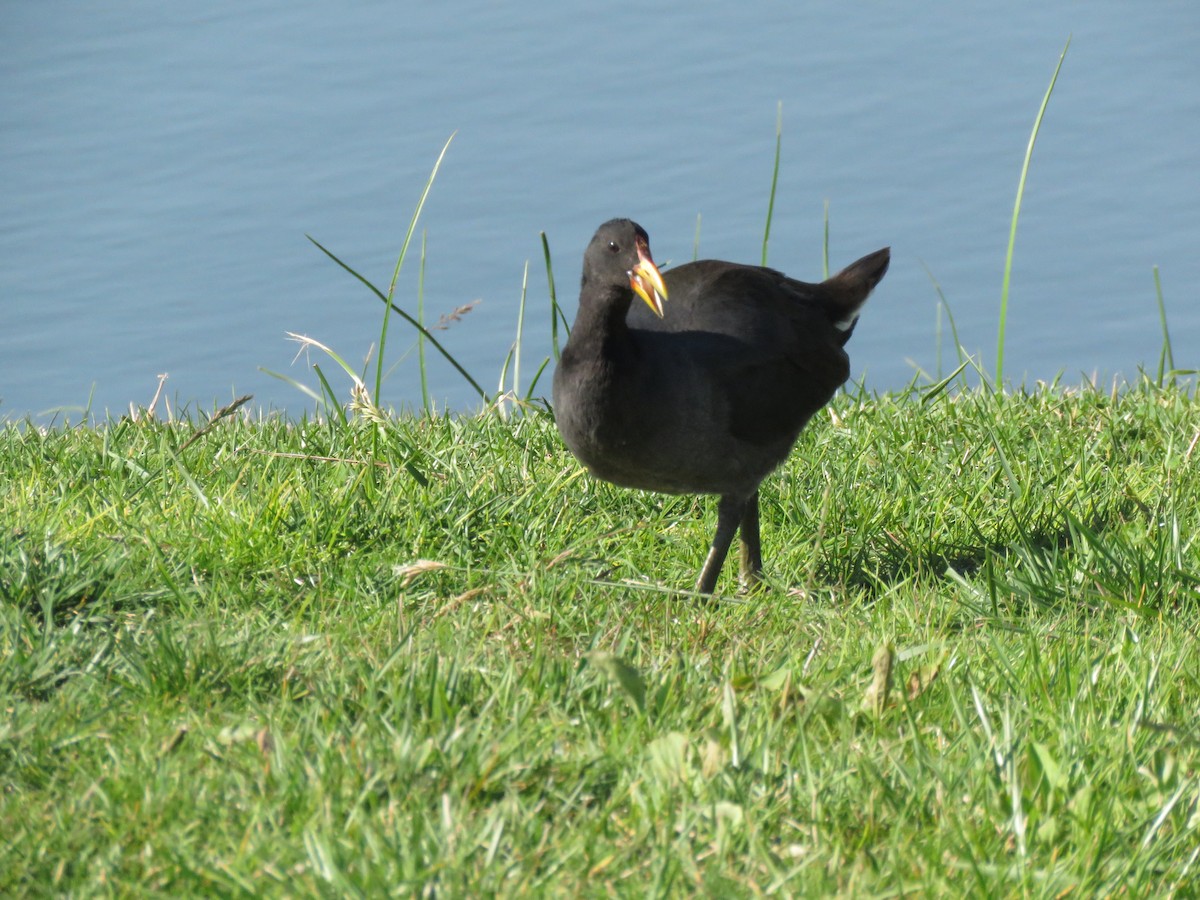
[[429, 654]]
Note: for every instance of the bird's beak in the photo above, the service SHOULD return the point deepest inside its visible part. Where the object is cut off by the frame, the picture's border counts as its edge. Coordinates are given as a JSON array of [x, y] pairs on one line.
[[647, 281]]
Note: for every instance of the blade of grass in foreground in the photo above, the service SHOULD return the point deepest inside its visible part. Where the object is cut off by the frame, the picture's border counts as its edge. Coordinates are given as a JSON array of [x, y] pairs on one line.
[[1012, 233]]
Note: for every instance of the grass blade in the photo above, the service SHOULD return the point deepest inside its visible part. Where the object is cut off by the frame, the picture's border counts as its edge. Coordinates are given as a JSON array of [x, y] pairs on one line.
[[1167, 356], [537, 376], [412, 226], [516, 385], [302, 388], [944, 305], [931, 392], [774, 182], [420, 335], [1012, 232], [508, 358], [331, 397], [434, 342], [222, 413], [825, 245], [306, 342], [556, 312]]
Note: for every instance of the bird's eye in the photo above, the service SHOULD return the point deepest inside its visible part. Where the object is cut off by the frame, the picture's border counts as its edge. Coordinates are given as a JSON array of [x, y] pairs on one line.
[[612, 246]]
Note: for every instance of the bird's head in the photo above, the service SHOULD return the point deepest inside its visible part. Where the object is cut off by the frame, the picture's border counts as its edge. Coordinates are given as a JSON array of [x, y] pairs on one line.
[[621, 250]]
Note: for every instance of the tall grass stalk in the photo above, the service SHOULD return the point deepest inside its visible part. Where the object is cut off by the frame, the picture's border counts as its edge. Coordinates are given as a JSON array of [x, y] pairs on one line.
[[774, 184], [1012, 232], [937, 340], [514, 353], [825, 244], [425, 405], [520, 329], [1166, 357], [944, 305], [556, 313], [391, 291]]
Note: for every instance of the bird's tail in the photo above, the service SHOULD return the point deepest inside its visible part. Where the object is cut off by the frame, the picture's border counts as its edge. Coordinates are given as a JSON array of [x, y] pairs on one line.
[[847, 291]]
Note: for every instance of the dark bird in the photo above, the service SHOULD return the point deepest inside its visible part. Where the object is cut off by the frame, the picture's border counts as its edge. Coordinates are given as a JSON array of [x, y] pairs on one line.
[[707, 394]]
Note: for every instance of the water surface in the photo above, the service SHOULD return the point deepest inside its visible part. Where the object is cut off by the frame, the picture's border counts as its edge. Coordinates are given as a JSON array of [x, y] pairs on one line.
[[162, 165]]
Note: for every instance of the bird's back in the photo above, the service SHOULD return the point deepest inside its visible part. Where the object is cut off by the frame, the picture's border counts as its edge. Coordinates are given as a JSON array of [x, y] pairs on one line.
[[766, 347], [711, 397]]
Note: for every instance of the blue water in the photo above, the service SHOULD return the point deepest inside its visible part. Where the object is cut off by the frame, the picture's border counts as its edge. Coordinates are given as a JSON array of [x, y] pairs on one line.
[[161, 165]]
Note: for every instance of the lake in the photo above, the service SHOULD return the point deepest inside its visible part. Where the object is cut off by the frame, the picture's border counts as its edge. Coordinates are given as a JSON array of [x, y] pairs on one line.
[[162, 165]]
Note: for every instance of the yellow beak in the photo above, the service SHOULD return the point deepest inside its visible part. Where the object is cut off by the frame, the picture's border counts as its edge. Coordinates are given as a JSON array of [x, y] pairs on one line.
[[647, 281]]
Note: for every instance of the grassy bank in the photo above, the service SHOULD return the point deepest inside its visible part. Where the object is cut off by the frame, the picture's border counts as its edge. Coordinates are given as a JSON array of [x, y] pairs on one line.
[[430, 654]]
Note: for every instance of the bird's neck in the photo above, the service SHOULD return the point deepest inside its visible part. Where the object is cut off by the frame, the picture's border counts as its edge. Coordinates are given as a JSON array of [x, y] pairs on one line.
[[601, 318]]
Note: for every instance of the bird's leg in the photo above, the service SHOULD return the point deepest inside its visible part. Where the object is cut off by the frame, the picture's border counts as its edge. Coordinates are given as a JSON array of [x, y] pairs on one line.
[[751, 545], [729, 513]]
